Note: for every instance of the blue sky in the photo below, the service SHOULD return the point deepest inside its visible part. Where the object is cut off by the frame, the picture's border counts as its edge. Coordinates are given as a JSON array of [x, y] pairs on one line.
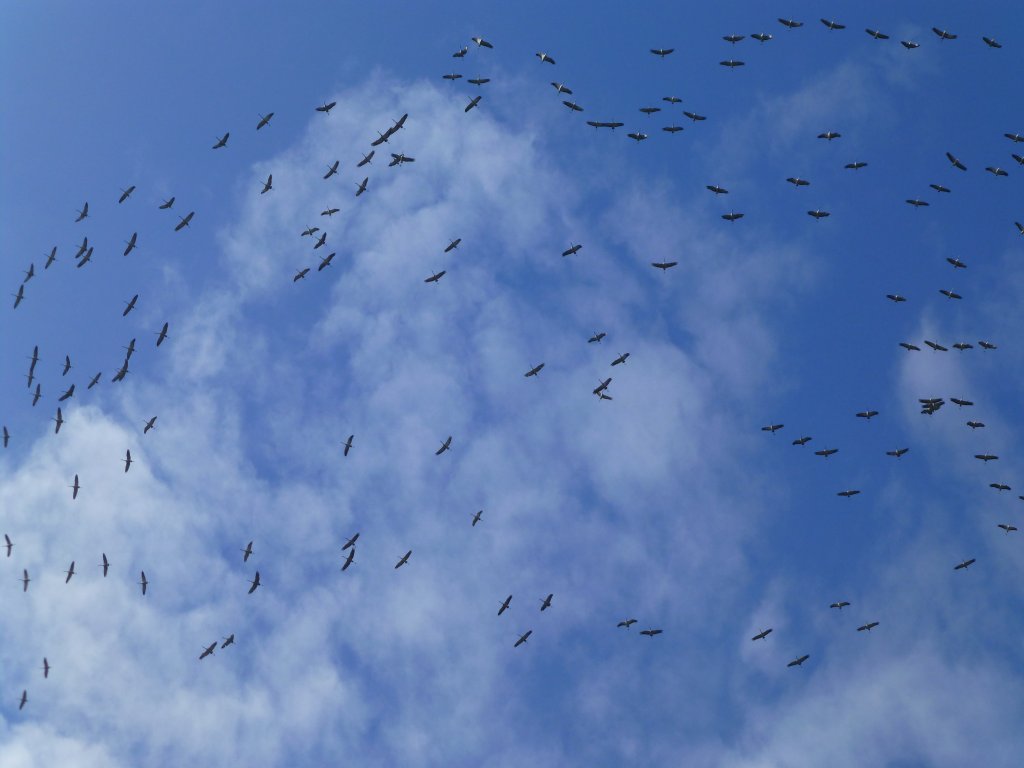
[[667, 503]]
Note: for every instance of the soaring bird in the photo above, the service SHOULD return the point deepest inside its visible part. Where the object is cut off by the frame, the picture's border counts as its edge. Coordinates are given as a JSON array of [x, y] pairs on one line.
[[8, 544], [534, 371], [790, 23], [909, 44], [208, 651], [46, 668], [300, 274], [855, 166], [144, 582], [897, 453], [75, 488], [716, 189], [348, 445], [573, 248], [732, 216], [362, 186], [761, 37], [268, 184], [126, 193], [351, 542], [476, 518], [651, 632], [436, 276], [848, 493], [329, 211], [964, 565], [453, 245], [404, 560], [70, 572], [939, 188], [254, 583], [222, 141], [481, 43], [866, 414], [621, 359], [151, 424], [83, 213], [332, 169], [130, 305], [943, 34], [246, 552], [130, 243], [637, 136], [264, 119], [991, 43], [819, 214], [445, 446], [545, 603], [561, 88], [802, 440], [627, 623], [772, 428], [596, 337], [478, 81], [25, 580], [662, 52], [461, 52], [523, 638], [867, 627], [829, 135], [127, 460], [349, 560], [840, 604], [799, 660], [183, 221], [1007, 528], [161, 335], [876, 34], [731, 63], [573, 106], [695, 117], [105, 565], [544, 57], [955, 162], [733, 38], [24, 700], [826, 452], [832, 24], [796, 181], [326, 108], [505, 605], [896, 297], [59, 419], [166, 204], [762, 634]]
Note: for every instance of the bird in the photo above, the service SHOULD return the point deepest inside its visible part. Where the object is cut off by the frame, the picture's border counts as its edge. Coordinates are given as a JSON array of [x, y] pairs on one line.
[[716, 189], [975, 424], [127, 460], [130, 305], [24, 700], [144, 582], [75, 488], [572, 249], [151, 424], [70, 572], [829, 135], [732, 216], [672, 128], [573, 106], [637, 136], [59, 419], [449, 76], [964, 565], [840, 604], [936, 346], [986, 345], [939, 188], [627, 623], [461, 52], [184, 221], [867, 627], [166, 204], [990, 42], [909, 45], [773, 428], [326, 108], [732, 63], [349, 560], [46, 668], [67, 394], [620, 359], [351, 542], [790, 23], [761, 37], [25, 580], [476, 518], [320, 241], [436, 276], [366, 159], [404, 560], [561, 88], [35, 399], [796, 181], [896, 297], [662, 52], [67, 365], [955, 162], [51, 258], [876, 34], [481, 43], [826, 452], [19, 295], [544, 57], [478, 81], [523, 638], [596, 337], [222, 141], [545, 603], [866, 414], [799, 660], [161, 335], [445, 446], [254, 583], [1007, 528], [897, 453], [269, 184], [762, 634], [999, 486], [130, 243], [472, 103], [802, 440], [960, 402], [651, 632], [534, 371], [996, 171], [348, 445], [208, 651], [329, 211], [246, 552], [917, 203], [855, 166], [300, 274], [943, 34], [505, 605], [603, 386], [105, 565], [833, 24], [848, 493], [452, 245], [986, 457], [8, 544], [332, 169], [694, 116], [229, 640], [264, 120], [818, 214], [83, 213], [957, 264], [733, 38], [362, 186]]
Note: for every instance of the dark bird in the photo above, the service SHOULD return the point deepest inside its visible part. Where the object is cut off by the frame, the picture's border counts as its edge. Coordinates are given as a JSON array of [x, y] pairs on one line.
[[604, 124], [67, 365], [349, 560], [943, 34], [986, 345], [732, 216], [829, 135], [996, 171], [895, 297], [450, 76], [362, 186], [332, 169], [505, 605], [799, 660], [545, 603], [478, 81], [59, 418], [802, 440], [956, 163], [772, 428], [866, 414], [848, 494], [481, 43], [269, 184], [672, 99], [208, 651], [603, 386], [832, 24], [1007, 528], [991, 43], [596, 337], [70, 391], [130, 305], [1014, 137], [964, 565], [461, 52], [867, 627], [621, 359], [19, 295], [149, 425], [453, 245], [637, 137], [399, 159], [436, 276], [975, 424], [348, 445], [70, 572], [264, 119], [957, 264], [8, 544], [761, 37], [796, 181], [939, 188], [762, 634], [986, 457], [573, 106], [254, 583], [897, 453], [351, 542], [51, 258], [731, 63], [29, 273], [999, 486], [166, 204], [876, 34], [523, 638], [817, 214], [125, 194], [855, 166], [672, 128], [716, 189], [75, 488], [404, 560], [572, 249], [651, 632], [84, 213], [663, 52], [300, 274], [326, 108], [627, 623], [46, 668], [534, 371], [472, 103], [840, 605], [695, 117], [24, 700], [35, 399], [445, 446], [329, 211], [184, 222], [246, 552], [105, 565], [733, 38], [161, 335], [222, 141], [790, 23], [826, 452], [950, 294], [322, 239], [561, 88], [476, 518], [544, 57], [144, 583], [25, 580], [130, 243], [917, 203], [127, 460], [958, 401], [935, 346]]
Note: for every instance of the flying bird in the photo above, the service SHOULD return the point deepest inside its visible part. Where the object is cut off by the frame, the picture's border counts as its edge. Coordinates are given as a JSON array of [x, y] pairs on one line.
[[897, 453], [637, 136], [762, 634], [436, 276], [105, 565], [826, 452], [83, 213], [818, 214], [461, 52], [534, 371], [986, 345], [876, 34], [46, 668], [404, 560], [329, 211], [731, 63], [182, 222], [848, 493], [166, 204], [866, 414], [909, 45], [300, 274], [351, 542], [545, 603], [254, 583], [161, 335], [246, 552], [269, 184], [326, 108], [478, 81], [59, 419], [943, 34], [796, 181], [70, 572], [130, 305], [1007, 528], [695, 117], [840, 605], [332, 169], [127, 460], [621, 359], [733, 38], [829, 135], [964, 565], [999, 486], [449, 76], [761, 37], [222, 141], [917, 203], [867, 627], [986, 457], [799, 660], [348, 445], [651, 632], [19, 295], [991, 43], [790, 23], [561, 88], [481, 43], [67, 394], [445, 446], [975, 424], [472, 103], [956, 163], [662, 52], [896, 297], [505, 605], [75, 488], [573, 106], [25, 580], [572, 249], [51, 258], [130, 243], [732, 216], [716, 189], [855, 166], [476, 518], [125, 194], [24, 700], [544, 57], [144, 582], [208, 651], [802, 440], [349, 560], [362, 186], [939, 188], [832, 24], [453, 245], [523, 638], [773, 428], [8, 544], [264, 119], [627, 623], [596, 337]]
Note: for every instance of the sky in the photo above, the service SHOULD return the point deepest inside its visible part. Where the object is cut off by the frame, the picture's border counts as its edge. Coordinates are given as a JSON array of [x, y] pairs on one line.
[[668, 503]]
